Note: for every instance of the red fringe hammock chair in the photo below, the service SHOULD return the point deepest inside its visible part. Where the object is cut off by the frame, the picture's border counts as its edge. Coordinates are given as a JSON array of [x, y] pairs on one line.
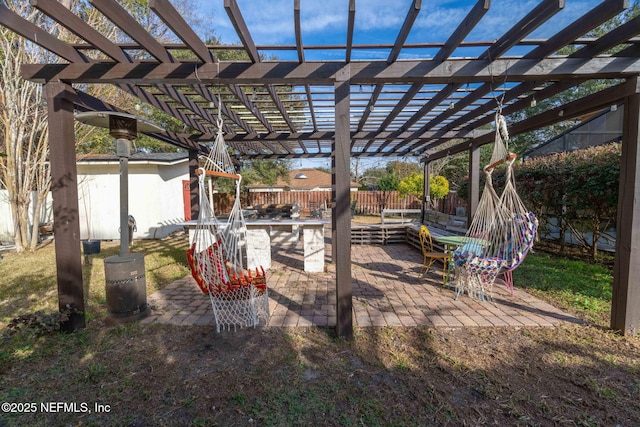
[[502, 230], [217, 254]]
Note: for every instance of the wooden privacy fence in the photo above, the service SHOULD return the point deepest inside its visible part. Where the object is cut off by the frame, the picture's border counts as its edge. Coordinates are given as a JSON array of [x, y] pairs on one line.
[[366, 202]]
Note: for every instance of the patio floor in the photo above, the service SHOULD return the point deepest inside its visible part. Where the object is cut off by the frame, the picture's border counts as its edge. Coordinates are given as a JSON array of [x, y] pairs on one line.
[[387, 291]]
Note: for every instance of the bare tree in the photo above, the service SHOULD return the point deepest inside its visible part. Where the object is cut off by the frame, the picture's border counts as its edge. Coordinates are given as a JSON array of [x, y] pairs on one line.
[[23, 113], [23, 169]]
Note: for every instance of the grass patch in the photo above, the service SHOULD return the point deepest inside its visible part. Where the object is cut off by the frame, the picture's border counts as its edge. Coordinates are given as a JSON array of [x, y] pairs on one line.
[[31, 282], [150, 374], [578, 285]]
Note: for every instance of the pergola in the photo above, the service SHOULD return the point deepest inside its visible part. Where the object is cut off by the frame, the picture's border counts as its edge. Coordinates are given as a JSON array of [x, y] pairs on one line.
[[435, 104]]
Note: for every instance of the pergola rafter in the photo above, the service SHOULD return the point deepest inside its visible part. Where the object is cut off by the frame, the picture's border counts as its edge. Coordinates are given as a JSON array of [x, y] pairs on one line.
[[423, 106]]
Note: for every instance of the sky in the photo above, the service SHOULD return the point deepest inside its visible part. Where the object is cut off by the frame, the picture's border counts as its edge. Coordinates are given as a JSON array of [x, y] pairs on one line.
[[376, 21], [271, 22]]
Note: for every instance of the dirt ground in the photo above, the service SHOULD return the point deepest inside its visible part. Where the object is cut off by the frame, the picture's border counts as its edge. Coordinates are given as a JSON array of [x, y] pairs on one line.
[[151, 375]]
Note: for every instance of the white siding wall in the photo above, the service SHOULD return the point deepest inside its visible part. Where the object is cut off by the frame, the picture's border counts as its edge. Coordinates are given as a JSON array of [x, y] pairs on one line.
[[6, 221], [155, 199]]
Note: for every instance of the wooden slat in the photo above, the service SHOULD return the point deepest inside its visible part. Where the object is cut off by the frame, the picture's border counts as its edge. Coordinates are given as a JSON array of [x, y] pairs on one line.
[[587, 22], [203, 91], [280, 106], [613, 38], [80, 28], [231, 6], [452, 43], [532, 20], [298, 30], [26, 29], [463, 29], [525, 26], [497, 163], [162, 105], [218, 174], [350, 25], [576, 108], [410, 18], [595, 17], [174, 20], [121, 17], [370, 105]]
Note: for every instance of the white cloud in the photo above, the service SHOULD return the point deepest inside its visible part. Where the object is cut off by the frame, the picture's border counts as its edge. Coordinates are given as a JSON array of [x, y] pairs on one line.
[[379, 21]]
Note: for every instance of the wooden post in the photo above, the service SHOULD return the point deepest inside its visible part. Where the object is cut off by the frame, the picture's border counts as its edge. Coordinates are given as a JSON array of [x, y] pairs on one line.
[[193, 181], [625, 308], [341, 211], [473, 198], [64, 191], [426, 200]]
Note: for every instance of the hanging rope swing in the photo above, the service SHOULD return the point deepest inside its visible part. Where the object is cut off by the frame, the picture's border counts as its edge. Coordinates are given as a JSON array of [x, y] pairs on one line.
[[502, 230], [217, 254]]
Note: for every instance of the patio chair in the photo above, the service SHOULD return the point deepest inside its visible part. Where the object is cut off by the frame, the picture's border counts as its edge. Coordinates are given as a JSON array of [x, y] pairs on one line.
[[431, 255]]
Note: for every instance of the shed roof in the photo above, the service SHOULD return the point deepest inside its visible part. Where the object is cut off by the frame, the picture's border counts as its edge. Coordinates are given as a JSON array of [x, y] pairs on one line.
[[139, 157]]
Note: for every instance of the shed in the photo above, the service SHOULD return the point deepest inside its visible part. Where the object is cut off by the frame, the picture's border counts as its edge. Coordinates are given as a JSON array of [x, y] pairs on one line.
[[156, 200]]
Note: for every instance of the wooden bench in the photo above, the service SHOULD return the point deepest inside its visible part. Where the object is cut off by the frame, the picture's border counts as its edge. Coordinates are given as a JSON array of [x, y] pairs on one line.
[[400, 212], [413, 235]]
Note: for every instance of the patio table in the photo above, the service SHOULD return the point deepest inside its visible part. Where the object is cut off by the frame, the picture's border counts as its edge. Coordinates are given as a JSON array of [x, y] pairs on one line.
[[451, 242]]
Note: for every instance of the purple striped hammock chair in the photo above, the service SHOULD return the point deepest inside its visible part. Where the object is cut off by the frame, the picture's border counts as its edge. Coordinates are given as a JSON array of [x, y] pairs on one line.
[[501, 232]]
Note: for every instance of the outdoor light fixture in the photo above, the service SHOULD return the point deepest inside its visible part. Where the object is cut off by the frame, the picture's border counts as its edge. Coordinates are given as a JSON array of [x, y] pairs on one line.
[[614, 107], [452, 106], [533, 102]]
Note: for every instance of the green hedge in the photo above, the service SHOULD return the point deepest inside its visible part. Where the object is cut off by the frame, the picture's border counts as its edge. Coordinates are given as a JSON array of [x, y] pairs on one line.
[[579, 189]]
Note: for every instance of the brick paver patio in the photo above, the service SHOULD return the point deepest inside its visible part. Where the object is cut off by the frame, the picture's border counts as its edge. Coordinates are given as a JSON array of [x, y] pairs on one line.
[[387, 291]]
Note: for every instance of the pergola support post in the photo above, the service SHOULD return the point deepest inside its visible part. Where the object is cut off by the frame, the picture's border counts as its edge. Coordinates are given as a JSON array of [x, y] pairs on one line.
[[193, 184], [64, 191], [473, 197], [341, 211], [625, 308], [426, 185]]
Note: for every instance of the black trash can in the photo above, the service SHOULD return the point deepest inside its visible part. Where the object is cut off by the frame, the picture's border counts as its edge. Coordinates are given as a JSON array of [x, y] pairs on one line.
[[90, 247]]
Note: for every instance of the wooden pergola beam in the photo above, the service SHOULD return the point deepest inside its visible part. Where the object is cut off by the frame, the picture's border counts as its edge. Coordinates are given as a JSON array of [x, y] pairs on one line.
[[80, 28], [174, 20], [121, 18], [329, 135], [409, 19], [351, 19], [625, 308], [585, 23], [576, 108], [26, 29], [323, 73], [233, 11]]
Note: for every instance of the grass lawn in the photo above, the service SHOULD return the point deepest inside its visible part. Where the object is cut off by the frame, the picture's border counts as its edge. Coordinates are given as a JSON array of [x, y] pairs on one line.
[[148, 375]]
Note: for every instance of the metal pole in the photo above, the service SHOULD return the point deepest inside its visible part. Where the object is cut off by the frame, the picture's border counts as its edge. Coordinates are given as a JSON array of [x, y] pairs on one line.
[[124, 151]]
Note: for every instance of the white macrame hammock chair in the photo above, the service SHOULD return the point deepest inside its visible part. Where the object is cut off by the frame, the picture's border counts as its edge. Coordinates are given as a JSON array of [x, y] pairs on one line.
[[501, 232], [217, 254]]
